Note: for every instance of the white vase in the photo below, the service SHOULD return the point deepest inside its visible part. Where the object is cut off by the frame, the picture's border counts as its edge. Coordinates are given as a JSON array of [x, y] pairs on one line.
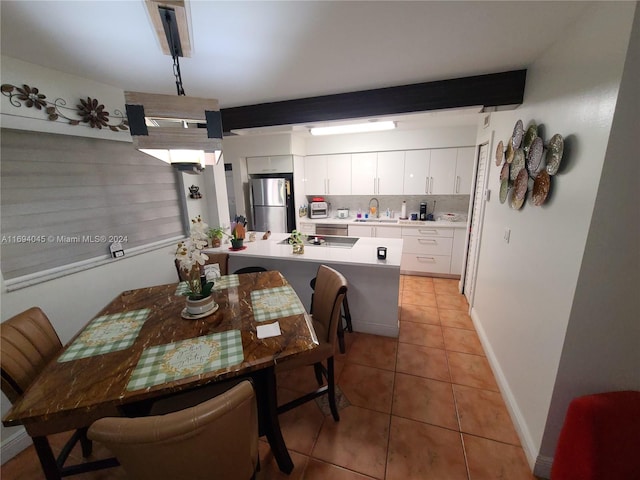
[[199, 306]]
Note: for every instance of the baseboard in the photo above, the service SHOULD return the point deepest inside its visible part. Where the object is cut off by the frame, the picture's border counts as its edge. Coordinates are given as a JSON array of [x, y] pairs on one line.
[[13, 445], [376, 329], [542, 468], [530, 450]]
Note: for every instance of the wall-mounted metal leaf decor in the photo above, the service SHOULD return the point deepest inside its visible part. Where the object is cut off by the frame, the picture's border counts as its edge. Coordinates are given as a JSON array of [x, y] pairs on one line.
[[90, 111]]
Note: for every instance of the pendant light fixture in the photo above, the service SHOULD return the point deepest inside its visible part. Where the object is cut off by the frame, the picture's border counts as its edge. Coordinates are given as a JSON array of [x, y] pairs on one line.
[[180, 130]]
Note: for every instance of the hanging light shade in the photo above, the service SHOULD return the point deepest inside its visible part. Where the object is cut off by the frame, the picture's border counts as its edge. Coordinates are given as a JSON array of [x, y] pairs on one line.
[[180, 130], [175, 129]]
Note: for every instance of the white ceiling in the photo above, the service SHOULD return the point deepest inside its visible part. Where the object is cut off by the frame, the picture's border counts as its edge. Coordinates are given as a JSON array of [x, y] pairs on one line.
[[253, 52]]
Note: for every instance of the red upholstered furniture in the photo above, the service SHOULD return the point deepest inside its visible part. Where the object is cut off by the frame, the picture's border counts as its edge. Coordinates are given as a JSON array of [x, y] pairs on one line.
[[600, 438]]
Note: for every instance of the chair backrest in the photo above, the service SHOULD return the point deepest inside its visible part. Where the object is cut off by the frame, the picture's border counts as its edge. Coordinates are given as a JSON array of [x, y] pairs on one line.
[[28, 343], [215, 439], [221, 259], [330, 289]]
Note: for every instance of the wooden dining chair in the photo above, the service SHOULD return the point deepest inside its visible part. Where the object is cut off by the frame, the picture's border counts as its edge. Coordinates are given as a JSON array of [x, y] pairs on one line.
[[330, 289], [221, 259], [344, 315], [28, 343], [215, 439]]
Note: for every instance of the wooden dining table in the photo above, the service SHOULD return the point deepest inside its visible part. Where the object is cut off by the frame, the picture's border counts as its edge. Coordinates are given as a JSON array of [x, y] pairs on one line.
[[140, 349]]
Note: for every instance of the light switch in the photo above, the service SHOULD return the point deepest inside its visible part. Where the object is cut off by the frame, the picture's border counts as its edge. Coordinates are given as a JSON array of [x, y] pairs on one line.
[[507, 234]]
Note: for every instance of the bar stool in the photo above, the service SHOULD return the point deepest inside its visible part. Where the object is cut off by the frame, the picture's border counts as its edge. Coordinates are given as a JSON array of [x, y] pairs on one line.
[[344, 314]]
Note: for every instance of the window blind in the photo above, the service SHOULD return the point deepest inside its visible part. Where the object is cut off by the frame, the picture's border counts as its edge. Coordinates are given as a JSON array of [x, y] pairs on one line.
[[65, 199]]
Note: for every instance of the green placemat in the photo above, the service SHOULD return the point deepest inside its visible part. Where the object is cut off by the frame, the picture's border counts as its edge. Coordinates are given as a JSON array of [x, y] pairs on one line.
[[226, 281], [186, 358], [277, 302], [105, 334]]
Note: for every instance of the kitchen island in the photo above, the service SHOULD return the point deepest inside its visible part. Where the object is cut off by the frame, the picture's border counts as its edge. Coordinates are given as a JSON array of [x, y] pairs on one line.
[[373, 284]]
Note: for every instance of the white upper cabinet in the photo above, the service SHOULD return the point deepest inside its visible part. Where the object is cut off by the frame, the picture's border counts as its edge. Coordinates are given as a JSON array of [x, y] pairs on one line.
[[364, 173], [442, 171], [272, 164], [464, 170], [390, 176], [378, 173], [339, 174], [328, 174], [416, 172]]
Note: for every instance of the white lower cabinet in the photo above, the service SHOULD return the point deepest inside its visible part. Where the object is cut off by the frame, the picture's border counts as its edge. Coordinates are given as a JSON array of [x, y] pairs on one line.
[[374, 231], [427, 249], [457, 250]]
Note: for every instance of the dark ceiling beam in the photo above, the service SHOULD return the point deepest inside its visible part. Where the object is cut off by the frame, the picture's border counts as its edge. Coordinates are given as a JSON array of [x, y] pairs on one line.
[[492, 90]]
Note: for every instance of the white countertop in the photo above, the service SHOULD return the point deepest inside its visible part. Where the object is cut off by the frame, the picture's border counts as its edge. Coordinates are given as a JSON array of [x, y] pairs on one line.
[[364, 252], [396, 223]]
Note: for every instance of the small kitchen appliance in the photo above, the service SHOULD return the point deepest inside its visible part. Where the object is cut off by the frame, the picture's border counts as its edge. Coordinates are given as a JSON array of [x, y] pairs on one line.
[[423, 210], [343, 213], [318, 210]]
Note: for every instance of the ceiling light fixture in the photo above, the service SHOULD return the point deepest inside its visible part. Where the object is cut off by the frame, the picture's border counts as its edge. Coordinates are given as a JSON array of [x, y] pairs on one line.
[[353, 128], [183, 131]]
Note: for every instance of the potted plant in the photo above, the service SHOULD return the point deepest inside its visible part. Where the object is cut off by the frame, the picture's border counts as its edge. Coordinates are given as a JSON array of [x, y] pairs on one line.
[[190, 260], [238, 232], [215, 236], [296, 240]]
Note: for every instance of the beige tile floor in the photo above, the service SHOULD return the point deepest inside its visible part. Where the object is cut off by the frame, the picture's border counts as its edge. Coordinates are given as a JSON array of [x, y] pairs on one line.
[[425, 405]]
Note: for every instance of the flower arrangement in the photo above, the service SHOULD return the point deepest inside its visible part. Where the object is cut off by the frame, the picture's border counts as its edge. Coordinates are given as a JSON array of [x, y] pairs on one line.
[[190, 258]]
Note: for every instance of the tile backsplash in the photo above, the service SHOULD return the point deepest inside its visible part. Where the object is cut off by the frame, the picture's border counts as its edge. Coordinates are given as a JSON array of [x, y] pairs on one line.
[[443, 203]]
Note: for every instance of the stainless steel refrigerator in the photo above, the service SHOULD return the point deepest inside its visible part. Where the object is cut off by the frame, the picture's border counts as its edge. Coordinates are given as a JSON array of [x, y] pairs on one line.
[[271, 202]]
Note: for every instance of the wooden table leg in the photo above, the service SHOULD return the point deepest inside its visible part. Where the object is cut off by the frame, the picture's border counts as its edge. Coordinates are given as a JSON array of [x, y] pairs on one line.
[[266, 393], [47, 459]]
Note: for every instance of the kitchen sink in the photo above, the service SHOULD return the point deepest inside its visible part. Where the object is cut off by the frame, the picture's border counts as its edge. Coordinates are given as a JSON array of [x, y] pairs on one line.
[[377, 220], [327, 241]]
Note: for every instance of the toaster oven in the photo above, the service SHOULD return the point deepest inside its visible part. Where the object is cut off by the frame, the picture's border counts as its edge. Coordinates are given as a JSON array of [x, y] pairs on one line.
[[318, 210]]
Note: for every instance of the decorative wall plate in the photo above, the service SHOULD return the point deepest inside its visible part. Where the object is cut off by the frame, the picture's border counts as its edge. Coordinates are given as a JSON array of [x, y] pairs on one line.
[[520, 185], [532, 133], [504, 190], [541, 186], [504, 173], [518, 132], [516, 203], [534, 156], [555, 148], [517, 165], [508, 155], [499, 153]]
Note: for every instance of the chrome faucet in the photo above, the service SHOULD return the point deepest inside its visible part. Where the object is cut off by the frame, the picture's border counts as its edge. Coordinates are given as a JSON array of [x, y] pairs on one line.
[[377, 206]]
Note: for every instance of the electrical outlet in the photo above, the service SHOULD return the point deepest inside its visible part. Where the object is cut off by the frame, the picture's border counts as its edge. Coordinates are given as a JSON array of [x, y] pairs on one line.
[[507, 234]]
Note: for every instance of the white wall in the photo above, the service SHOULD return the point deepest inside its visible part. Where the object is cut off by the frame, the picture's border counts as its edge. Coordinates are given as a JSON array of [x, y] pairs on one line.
[[600, 351], [525, 289]]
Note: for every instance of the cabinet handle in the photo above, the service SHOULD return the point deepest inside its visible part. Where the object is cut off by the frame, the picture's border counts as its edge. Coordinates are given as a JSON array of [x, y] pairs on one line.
[[428, 240], [328, 186], [426, 185], [430, 184], [458, 184], [431, 259], [426, 231]]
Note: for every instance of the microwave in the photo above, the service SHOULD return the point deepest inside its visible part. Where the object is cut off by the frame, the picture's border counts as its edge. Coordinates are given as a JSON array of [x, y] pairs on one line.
[[318, 210]]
